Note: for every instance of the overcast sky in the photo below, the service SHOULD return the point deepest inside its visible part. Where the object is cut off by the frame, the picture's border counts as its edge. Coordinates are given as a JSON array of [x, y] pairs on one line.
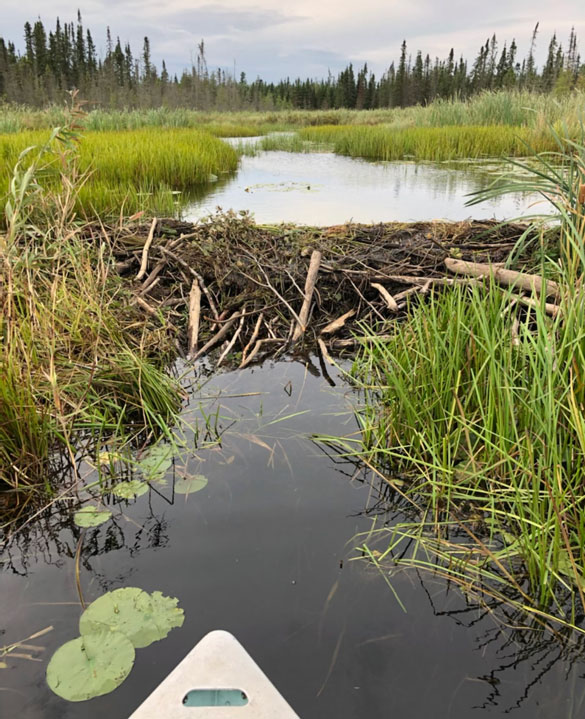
[[273, 39]]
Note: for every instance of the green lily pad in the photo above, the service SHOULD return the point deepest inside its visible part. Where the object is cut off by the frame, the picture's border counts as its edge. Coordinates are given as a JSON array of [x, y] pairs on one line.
[[91, 516], [189, 485], [142, 617], [90, 666], [156, 462], [131, 489]]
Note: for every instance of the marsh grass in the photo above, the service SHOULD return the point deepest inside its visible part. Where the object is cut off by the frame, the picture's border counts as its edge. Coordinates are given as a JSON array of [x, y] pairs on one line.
[[527, 109], [78, 362], [474, 414], [437, 144], [139, 170]]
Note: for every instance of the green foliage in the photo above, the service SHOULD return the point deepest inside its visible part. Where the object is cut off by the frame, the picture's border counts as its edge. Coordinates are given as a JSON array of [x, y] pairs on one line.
[[58, 59], [430, 143], [90, 666], [131, 489], [91, 516], [137, 170], [111, 627], [156, 462], [143, 618], [76, 357], [477, 405], [503, 107], [190, 485]]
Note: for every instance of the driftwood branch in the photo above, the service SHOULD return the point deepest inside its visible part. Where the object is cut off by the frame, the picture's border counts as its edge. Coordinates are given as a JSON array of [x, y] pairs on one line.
[[145, 249], [253, 338], [194, 316], [197, 276], [338, 323], [388, 299], [309, 289], [325, 352], [217, 336], [232, 342], [509, 278], [549, 308], [257, 346]]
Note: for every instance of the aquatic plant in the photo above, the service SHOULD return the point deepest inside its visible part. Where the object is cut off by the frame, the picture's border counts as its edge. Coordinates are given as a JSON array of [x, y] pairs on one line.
[[111, 628], [438, 144], [137, 170], [77, 359], [503, 107], [473, 415]]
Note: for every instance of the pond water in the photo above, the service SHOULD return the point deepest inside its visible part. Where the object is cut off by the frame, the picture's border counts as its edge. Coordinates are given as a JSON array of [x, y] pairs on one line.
[[264, 552], [327, 189]]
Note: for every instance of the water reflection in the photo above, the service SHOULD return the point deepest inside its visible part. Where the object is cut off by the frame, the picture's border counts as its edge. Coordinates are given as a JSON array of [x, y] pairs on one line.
[[265, 552], [328, 189]]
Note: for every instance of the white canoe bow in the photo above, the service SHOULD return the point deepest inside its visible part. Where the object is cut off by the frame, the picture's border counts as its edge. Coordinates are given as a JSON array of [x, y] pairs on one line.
[[217, 679]]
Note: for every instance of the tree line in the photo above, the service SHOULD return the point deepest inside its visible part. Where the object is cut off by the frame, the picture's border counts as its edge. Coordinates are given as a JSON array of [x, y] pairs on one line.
[[64, 58]]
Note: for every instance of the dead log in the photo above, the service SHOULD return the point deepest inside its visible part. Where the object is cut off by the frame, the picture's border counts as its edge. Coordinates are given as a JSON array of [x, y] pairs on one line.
[[309, 288], [194, 316], [145, 249], [509, 278]]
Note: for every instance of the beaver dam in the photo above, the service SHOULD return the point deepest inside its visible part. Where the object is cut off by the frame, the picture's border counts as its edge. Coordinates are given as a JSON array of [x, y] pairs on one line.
[[253, 292], [104, 444]]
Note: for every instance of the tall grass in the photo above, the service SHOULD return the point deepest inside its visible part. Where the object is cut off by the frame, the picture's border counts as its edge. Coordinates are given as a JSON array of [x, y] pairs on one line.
[[429, 143], [78, 361], [479, 408], [489, 108], [138, 169]]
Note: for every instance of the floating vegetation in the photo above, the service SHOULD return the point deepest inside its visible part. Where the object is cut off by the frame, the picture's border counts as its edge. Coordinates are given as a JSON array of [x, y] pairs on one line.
[[111, 628], [90, 666], [189, 485], [90, 516], [130, 489], [143, 618]]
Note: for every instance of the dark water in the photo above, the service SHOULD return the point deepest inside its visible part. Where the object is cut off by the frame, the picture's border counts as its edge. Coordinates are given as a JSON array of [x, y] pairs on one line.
[[264, 552], [328, 189]]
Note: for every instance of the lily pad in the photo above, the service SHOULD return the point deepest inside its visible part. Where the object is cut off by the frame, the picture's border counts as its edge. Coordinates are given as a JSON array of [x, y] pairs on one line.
[[91, 516], [189, 485], [91, 665], [142, 617], [156, 462], [131, 489]]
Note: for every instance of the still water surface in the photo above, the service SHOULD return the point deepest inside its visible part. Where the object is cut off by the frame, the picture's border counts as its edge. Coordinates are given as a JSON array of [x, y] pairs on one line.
[[264, 552], [327, 189]]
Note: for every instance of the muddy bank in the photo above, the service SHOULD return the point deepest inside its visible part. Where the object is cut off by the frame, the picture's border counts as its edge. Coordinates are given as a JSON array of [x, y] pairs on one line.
[[247, 292]]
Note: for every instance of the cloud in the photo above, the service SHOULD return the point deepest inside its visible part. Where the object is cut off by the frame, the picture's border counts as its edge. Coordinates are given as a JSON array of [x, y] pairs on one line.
[[308, 38]]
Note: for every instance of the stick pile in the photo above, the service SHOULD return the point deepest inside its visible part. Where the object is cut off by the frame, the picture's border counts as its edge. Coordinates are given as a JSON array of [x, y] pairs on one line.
[[249, 291]]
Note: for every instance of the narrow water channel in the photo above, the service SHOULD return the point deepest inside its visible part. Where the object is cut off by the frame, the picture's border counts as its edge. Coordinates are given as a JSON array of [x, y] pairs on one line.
[[265, 551]]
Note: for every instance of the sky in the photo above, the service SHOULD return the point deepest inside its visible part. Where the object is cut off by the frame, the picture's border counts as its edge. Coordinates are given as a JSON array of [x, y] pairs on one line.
[[306, 38]]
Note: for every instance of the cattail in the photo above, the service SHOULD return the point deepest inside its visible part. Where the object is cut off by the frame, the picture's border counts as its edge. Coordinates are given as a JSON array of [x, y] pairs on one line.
[[582, 194]]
